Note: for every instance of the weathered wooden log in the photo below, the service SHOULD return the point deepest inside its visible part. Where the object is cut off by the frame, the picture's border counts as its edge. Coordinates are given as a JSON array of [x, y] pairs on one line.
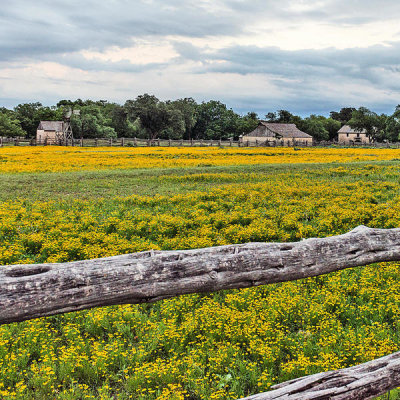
[[362, 382], [36, 290]]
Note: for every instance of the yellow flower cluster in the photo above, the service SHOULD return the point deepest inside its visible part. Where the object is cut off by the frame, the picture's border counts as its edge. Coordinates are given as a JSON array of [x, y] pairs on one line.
[[60, 159], [224, 345]]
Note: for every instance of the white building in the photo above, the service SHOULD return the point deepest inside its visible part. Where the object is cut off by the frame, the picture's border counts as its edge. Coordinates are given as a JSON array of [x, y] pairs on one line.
[[348, 135]]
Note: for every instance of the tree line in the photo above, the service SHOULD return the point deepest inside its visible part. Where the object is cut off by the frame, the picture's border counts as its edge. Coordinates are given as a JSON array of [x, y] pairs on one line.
[[148, 117]]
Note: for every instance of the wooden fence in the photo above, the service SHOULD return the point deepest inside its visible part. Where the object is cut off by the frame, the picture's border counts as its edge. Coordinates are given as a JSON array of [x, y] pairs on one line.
[[36, 290], [136, 142]]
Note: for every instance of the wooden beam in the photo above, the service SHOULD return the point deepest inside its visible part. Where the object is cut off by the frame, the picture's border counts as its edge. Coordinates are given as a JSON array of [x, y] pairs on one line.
[[37, 290], [362, 382]]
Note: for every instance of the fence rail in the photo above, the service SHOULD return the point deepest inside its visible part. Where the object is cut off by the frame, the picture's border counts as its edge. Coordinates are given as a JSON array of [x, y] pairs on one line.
[[136, 142], [35, 290]]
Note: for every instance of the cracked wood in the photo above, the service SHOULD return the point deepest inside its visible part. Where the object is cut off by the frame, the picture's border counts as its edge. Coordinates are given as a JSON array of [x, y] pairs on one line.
[[362, 382], [37, 290]]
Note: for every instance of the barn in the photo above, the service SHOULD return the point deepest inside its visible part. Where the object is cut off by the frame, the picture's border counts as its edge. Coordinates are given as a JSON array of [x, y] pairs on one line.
[[348, 135], [49, 132], [276, 132]]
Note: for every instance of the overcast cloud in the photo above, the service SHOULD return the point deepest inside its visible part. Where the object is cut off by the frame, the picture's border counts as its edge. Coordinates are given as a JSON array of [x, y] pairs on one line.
[[305, 56]]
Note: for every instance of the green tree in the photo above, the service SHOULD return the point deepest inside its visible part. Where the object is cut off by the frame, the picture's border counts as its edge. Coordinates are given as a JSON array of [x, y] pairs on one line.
[[284, 117], [9, 126], [188, 109], [314, 126], [343, 116], [332, 126], [156, 117], [373, 124], [247, 123], [30, 114], [392, 126], [216, 121]]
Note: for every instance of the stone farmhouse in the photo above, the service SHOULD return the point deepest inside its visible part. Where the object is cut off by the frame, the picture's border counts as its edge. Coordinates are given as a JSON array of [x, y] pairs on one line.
[[278, 133], [347, 135], [48, 131]]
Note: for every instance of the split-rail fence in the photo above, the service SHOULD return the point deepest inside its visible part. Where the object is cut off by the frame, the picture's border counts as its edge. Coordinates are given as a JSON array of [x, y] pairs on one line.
[[36, 290]]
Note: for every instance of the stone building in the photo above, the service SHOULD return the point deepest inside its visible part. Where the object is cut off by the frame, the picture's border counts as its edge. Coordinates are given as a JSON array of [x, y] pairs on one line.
[[348, 135], [278, 133], [49, 131]]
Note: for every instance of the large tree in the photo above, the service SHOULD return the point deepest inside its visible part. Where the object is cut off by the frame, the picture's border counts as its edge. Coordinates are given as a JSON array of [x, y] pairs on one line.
[[216, 121], [314, 126], [343, 116], [366, 120], [156, 117], [188, 110], [320, 127]]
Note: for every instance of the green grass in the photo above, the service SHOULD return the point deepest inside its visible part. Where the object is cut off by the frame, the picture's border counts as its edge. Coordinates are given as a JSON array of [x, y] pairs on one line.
[[196, 328], [149, 182]]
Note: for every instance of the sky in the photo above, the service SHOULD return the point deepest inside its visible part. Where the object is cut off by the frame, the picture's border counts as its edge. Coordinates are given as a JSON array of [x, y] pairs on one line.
[[306, 56]]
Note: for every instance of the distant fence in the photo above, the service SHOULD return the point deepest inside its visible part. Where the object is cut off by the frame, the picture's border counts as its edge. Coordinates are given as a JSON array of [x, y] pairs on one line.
[[137, 142]]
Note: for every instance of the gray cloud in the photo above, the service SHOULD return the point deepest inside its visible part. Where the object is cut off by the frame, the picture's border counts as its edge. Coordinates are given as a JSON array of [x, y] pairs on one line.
[[32, 29], [302, 80]]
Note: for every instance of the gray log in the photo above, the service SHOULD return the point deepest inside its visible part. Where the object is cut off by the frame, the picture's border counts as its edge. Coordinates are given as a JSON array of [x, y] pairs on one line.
[[37, 290], [362, 382]]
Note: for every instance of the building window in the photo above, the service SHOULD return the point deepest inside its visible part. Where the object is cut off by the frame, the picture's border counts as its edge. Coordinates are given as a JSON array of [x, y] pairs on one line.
[[347, 134]]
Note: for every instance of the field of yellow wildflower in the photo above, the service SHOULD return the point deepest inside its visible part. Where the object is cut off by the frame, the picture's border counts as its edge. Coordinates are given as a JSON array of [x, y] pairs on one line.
[[63, 204]]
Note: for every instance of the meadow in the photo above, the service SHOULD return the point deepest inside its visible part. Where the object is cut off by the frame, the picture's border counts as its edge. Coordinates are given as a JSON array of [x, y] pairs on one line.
[[63, 204]]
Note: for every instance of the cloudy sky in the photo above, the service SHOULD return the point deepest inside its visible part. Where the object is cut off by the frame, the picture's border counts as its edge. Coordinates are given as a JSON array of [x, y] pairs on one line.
[[307, 56]]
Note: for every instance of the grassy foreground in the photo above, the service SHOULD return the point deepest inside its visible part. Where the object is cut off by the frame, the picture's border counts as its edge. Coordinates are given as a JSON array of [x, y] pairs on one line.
[[218, 346]]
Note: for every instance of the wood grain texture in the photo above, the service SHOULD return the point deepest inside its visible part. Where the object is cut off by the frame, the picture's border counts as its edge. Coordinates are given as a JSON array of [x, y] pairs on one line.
[[362, 382], [37, 290]]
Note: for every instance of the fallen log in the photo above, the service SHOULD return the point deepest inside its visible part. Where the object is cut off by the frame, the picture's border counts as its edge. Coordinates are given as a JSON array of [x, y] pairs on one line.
[[362, 382], [37, 290]]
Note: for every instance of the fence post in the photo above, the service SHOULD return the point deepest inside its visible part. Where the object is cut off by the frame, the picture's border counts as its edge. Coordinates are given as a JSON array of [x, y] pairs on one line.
[[134, 141], [230, 142], [158, 140], [169, 142], [247, 144], [95, 142], [256, 143], [122, 142], [1, 141], [81, 142]]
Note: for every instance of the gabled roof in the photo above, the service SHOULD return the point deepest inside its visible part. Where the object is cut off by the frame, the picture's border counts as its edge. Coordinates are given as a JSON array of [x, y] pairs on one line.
[[285, 130], [57, 126], [349, 129]]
